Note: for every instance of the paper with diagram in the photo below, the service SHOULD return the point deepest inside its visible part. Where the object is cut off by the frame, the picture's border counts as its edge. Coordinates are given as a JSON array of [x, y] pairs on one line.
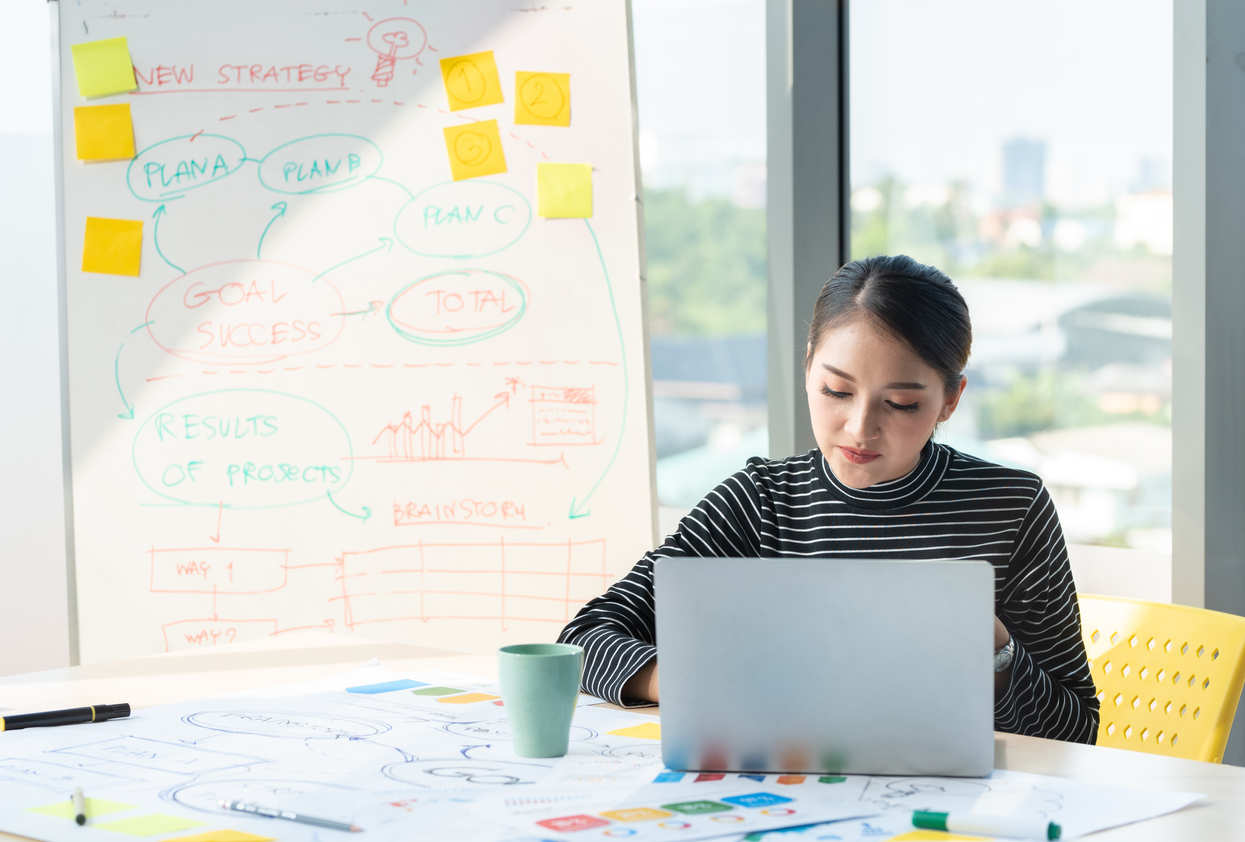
[[395, 753], [1077, 807], [431, 751]]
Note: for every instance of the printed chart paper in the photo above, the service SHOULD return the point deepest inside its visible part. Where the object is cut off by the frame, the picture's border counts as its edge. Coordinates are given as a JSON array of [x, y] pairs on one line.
[[388, 761], [393, 760], [1079, 808]]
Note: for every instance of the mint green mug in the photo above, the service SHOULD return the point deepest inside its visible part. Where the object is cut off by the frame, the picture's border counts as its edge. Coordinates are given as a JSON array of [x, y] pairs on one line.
[[540, 687]]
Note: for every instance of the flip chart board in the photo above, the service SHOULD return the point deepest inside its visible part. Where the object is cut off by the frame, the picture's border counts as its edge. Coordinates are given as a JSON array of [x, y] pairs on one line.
[[328, 365]]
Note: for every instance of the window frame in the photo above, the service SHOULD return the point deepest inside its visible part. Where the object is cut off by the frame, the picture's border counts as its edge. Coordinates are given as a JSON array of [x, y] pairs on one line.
[[808, 218]]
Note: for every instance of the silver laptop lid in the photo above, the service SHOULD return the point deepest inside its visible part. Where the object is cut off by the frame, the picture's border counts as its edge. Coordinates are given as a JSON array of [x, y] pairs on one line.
[[826, 665]]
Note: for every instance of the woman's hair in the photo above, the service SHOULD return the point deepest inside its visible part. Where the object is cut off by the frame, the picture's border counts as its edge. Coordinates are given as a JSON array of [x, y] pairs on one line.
[[914, 302]]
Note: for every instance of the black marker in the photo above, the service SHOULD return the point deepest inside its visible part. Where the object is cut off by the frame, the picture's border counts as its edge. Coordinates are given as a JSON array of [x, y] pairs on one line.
[[73, 716]]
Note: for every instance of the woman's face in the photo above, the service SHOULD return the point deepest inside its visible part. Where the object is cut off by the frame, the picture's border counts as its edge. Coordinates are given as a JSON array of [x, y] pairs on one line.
[[874, 403]]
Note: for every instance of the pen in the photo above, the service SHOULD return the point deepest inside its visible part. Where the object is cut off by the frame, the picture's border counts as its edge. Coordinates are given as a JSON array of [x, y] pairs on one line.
[[95, 713], [272, 813], [987, 825], [79, 805]]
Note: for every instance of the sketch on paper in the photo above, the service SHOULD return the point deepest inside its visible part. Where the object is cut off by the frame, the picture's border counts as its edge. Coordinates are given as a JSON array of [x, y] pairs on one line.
[[428, 750], [433, 750]]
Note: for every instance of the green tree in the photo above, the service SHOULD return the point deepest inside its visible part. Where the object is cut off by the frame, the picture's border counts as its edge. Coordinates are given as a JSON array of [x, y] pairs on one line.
[[1045, 400], [706, 265]]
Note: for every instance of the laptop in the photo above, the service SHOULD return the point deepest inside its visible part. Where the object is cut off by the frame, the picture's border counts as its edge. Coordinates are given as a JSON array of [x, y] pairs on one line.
[[826, 665]]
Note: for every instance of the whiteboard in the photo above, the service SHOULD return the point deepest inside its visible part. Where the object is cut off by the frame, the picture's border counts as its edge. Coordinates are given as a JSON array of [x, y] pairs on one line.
[[347, 392]]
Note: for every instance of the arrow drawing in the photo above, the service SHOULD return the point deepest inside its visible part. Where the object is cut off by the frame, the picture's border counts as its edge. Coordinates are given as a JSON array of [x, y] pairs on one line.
[[219, 512], [128, 415], [367, 512], [504, 400], [577, 510], [372, 307], [385, 245], [279, 207], [155, 236]]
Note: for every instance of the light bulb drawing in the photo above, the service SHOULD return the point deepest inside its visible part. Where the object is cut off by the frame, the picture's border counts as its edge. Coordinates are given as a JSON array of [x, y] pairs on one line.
[[393, 40]]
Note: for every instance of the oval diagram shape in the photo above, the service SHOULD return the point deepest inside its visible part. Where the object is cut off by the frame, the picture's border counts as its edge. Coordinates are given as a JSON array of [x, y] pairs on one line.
[[166, 170], [458, 308], [243, 448], [245, 312], [322, 163], [463, 219]]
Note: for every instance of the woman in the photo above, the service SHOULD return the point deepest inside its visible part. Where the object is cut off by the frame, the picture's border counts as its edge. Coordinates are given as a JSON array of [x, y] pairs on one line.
[[887, 347]]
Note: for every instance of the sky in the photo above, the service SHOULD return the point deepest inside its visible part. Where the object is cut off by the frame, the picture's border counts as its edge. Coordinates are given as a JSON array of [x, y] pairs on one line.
[[700, 80], [936, 87]]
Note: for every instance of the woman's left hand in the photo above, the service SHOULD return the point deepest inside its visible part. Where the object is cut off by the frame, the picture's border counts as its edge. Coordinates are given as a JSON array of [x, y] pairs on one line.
[[1001, 634]]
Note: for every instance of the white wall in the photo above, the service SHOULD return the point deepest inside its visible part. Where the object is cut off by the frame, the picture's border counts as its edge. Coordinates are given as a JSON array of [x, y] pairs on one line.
[[1111, 571], [34, 622]]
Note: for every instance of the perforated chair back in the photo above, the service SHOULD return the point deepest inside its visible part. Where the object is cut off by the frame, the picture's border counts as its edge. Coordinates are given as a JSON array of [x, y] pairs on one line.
[[1168, 676]]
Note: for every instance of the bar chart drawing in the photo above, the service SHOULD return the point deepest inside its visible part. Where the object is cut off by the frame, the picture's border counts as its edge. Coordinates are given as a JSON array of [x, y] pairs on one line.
[[427, 439]]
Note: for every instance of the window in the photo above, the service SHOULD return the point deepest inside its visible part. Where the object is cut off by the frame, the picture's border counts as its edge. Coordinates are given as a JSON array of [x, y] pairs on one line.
[[1025, 149], [700, 68]]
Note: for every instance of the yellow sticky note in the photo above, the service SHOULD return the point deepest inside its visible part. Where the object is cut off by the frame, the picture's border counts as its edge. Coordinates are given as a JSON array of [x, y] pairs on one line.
[[103, 132], [466, 699], [103, 67], [542, 99], [149, 825], [223, 836], [936, 836], [644, 731], [564, 191], [94, 807], [475, 150], [471, 80], [112, 246]]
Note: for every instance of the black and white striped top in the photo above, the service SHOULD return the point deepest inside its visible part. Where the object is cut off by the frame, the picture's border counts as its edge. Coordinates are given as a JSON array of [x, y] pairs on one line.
[[951, 506]]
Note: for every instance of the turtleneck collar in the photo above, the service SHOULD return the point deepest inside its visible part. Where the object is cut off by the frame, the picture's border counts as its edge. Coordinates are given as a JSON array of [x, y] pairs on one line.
[[895, 493]]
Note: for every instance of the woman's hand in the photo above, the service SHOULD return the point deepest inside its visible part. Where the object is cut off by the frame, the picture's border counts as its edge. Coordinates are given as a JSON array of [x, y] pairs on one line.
[[1001, 636], [643, 685]]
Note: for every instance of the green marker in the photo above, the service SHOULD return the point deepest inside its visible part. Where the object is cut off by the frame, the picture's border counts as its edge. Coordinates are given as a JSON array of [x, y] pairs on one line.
[[986, 825]]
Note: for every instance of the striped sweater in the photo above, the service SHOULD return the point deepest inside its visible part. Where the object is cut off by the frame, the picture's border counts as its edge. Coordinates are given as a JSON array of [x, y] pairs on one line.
[[951, 506]]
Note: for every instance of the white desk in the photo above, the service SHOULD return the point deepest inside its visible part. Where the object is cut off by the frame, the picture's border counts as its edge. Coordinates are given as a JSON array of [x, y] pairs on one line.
[[163, 679]]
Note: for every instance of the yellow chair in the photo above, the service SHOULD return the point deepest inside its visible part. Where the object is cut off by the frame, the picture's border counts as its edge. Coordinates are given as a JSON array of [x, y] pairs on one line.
[[1168, 676]]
